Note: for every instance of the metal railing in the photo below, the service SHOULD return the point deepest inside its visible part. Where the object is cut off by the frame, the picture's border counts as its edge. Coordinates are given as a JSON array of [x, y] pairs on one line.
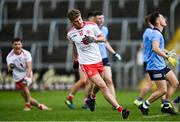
[[172, 15]]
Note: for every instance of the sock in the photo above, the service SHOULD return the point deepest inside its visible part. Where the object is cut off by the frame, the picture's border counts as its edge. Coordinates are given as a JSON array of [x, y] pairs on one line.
[[139, 98], [146, 104], [85, 99], [28, 105], [93, 96], [166, 104], [119, 108], [70, 97], [163, 101], [177, 100]]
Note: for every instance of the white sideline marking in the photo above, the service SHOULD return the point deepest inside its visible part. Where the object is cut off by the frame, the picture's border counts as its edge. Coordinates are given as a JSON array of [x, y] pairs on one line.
[[155, 116]]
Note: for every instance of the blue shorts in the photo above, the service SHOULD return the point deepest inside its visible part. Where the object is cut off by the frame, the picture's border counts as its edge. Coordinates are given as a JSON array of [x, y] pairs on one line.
[[158, 74], [105, 62]]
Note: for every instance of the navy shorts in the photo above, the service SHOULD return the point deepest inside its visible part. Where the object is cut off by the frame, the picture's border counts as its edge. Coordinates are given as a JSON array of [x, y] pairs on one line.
[[144, 66], [158, 74], [105, 62]]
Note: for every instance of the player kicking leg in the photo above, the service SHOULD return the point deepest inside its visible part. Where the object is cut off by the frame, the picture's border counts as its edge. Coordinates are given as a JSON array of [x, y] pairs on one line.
[[75, 88], [94, 73]]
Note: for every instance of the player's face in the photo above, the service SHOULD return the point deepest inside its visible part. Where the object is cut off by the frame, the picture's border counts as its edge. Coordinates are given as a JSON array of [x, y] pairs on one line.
[[99, 20], [78, 22], [17, 46], [162, 20], [91, 19]]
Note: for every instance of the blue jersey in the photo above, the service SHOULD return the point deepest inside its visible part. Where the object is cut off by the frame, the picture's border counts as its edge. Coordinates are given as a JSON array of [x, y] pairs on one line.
[[147, 35], [102, 46], [154, 61]]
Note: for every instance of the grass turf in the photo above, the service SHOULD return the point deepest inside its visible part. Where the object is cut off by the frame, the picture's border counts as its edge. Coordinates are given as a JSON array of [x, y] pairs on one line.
[[11, 108]]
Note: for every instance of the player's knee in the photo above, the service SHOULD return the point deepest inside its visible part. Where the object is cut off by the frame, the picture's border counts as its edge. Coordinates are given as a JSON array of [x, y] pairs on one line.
[[83, 80], [109, 81], [176, 84], [103, 88]]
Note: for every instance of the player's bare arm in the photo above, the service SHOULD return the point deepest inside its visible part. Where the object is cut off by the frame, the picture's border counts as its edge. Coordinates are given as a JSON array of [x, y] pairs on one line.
[[28, 69], [100, 38], [109, 47], [155, 47], [75, 52]]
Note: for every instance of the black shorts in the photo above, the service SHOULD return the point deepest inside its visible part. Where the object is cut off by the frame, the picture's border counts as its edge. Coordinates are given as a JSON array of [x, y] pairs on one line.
[[158, 74], [144, 66], [105, 62]]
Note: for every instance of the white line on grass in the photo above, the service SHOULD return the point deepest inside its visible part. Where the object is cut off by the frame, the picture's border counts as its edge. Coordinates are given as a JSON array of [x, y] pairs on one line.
[[156, 116]]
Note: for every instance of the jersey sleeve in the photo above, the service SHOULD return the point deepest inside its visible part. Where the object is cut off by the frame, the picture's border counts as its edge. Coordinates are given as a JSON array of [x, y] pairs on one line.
[[105, 31], [28, 57], [96, 30], [8, 61], [156, 37]]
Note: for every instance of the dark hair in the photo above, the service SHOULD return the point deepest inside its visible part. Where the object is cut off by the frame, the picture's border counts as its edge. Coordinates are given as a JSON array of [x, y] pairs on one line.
[[147, 19], [90, 14], [16, 40], [153, 17], [73, 14], [97, 13]]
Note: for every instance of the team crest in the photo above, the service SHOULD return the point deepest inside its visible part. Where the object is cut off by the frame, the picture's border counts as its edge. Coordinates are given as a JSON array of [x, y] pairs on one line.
[[89, 72]]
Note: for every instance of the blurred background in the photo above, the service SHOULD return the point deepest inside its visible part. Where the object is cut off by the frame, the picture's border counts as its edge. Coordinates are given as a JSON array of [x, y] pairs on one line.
[[42, 24]]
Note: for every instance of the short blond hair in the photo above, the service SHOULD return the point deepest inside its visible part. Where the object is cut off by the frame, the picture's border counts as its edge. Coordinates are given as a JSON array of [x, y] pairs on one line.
[[73, 14]]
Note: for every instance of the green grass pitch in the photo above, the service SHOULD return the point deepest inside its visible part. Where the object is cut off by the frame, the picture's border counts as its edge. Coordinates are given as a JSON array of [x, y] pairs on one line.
[[11, 108]]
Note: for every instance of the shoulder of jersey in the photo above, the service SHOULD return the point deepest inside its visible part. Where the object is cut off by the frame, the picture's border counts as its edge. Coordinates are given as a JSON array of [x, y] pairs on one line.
[[10, 53], [89, 23], [70, 29], [25, 52]]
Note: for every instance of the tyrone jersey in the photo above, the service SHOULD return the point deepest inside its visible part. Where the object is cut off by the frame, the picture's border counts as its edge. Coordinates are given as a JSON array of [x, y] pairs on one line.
[[87, 53], [19, 70]]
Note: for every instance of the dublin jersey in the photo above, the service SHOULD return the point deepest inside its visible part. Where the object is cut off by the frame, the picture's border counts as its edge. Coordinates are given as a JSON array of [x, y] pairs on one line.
[[156, 62], [88, 53], [102, 46], [147, 43], [19, 70]]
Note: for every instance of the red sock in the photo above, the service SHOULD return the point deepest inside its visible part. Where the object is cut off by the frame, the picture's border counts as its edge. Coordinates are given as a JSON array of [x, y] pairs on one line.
[[70, 97], [28, 105], [93, 96], [119, 108]]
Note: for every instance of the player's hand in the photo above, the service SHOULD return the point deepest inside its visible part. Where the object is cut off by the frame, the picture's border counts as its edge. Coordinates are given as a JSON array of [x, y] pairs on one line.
[[26, 80], [173, 61], [116, 57], [88, 39], [76, 65], [170, 53]]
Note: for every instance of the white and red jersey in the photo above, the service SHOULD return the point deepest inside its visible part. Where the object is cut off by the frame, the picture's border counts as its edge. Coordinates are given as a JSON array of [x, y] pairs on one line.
[[87, 53], [19, 70]]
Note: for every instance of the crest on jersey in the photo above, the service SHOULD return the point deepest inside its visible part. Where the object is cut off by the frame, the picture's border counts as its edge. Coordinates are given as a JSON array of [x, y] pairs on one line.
[[89, 72]]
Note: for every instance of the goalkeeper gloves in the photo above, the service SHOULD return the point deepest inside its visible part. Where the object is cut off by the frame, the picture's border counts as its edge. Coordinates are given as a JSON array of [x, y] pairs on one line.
[[172, 61], [172, 58], [116, 57], [75, 65]]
